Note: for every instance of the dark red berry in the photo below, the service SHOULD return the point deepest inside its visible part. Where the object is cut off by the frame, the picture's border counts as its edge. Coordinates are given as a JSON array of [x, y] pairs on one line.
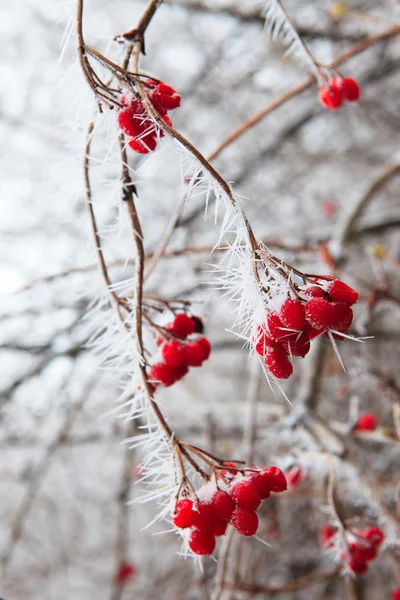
[[292, 314], [366, 422], [276, 328], [205, 344], [319, 313], [245, 494], [359, 568], [126, 571], [278, 363], [315, 291], [245, 521], [330, 96], [297, 345], [311, 332], [262, 482], [181, 371], [204, 517], [184, 514], [202, 543], [131, 120], [182, 325], [350, 89], [194, 354], [220, 527], [362, 553], [276, 478], [199, 325], [223, 504], [342, 317], [162, 373], [173, 353], [341, 292]]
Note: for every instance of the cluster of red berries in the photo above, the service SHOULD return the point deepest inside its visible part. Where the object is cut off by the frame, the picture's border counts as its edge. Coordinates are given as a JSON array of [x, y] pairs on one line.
[[362, 546], [366, 422], [339, 90], [289, 332], [135, 122], [180, 353], [234, 503]]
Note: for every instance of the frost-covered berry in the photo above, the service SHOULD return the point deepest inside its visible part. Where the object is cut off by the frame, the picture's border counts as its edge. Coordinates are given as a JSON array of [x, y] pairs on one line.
[[292, 314], [144, 145], [350, 89], [204, 517], [297, 345], [341, 292], [245, 521], [314, 291], [182, 325], [202, 543], [278, 363], [164, 97], [162, 373], [319, 313], [245, 494], [330, 96], [276, 328], [342, 317], [184, 514], [173, 353], [131, 119], [326, 534], [276, 478], [126, 571], [311, 332], [223, 504], [366, 422], [262, 483], [220, 527]]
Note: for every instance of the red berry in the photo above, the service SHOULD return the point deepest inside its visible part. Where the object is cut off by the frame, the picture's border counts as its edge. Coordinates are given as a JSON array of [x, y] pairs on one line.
[[358, 567], [202, 543], [231, 473], [330, 96], [326, 534], [125, 572], [297, 345], [144, 144], [278, 363], [315, 291], [131, 119], [182, 325], [205, 344], [204, 517], [181, 371], [396, 594], [342, 317], [262, 483], [245, 521], [173, 353], [294, 476], [341, 292], [162, 373], [165, 97], [220, 527], [184, 514], [311, 332], [319, 313], [374, 535], [292, 314], [167, 120], [194, 354], [264, 342], [223, 504], [276, 328], [362, 553], [276, 478], [245, 494], [350, 89], [366, 422]]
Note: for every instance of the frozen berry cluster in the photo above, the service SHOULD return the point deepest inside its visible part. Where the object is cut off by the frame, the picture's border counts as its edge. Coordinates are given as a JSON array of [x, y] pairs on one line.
[[339, 90], [184, 348], [135, 122], [318, 309], [234, 502], [362, 546]]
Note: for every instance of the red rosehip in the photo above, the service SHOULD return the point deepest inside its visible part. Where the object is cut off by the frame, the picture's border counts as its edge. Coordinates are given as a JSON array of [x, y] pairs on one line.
[[220, 527], [162, 373], [292, 314], [319, 313], [245, 521], [173, 353], [366, 422], [341, 292], [276, 478], [204, 517], [297, 345], [125, 572], [182, 325], [245, 494], [342, 317], [326, 534], [184, 514], [202, 543], [294, 476], [278, 363], [330, 96], [276, 328], [223, 504], [350, 89]]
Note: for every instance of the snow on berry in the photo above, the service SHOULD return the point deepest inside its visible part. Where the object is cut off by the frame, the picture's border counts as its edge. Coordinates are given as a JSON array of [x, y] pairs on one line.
[[276, 328], [246, 495], [245, 521], [201, 543], [366, 422], [298, 345], [292, 314], [278, 363], [319, 313]]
